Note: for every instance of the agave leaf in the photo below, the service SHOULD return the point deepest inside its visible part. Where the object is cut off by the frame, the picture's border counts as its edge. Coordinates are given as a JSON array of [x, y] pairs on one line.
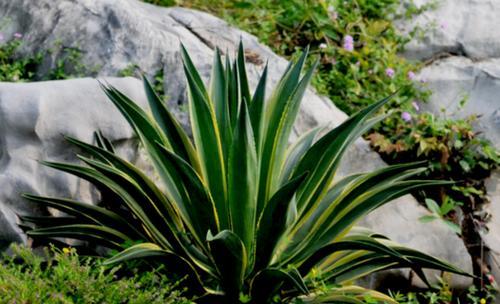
[[242, 74], [138, 201], [428, 261], [208, 144], [272, 223], [52, 221], [267, 282], [340, 199], [349, 243], [151, 250], [373, 201], [219, 99], [296, 152], [95, 214], [111, 181], [137, 251], [350, 294], [256, 108], [143, 182], [198, 209], [190, 69], [366, 203], [242, 181], [322, 159], [149, 133], [103, 235], [177, 138], [281, 112], [305, 226], [234, 97], [230, 257], [160, 227], [356, 265], [102, 142]]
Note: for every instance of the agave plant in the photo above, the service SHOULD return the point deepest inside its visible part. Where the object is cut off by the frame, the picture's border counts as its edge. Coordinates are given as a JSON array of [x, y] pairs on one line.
[[236, 208]]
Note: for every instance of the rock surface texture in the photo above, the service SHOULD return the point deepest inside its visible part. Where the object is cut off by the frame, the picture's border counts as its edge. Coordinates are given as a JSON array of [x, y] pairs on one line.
[[462, 53], [112, 34]]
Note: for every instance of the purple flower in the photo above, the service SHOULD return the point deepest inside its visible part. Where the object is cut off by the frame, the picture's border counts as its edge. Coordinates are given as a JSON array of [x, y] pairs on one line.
[[389, 72], [423, 80], [1, 37], [18, 35], [406, 116], [415, 106], [444, 25], [411, 75], [348, 43]]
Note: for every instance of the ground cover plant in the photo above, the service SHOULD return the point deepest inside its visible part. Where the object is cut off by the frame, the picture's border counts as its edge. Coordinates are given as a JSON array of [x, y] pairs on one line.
[[248, 218], [60, 276]]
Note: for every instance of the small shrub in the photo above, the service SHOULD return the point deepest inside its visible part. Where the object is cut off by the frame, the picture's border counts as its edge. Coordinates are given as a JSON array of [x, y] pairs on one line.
[[62, 277], [14, 68], [453, 149]]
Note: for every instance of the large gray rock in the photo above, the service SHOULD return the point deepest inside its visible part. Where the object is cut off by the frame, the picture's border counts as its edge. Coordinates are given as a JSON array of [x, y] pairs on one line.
[[460, 27], [113, 34]]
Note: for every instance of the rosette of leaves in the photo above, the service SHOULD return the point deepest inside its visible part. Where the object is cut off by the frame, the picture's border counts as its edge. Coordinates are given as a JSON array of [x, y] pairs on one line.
[[246, 216]]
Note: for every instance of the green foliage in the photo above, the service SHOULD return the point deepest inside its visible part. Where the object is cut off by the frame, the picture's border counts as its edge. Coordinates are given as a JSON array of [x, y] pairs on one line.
[[16, 68], [69, 64], [13, 68], [487, 295], [162, 2], [440, 212], [451, 146], [442, 294], [65, 278], [247, 217]]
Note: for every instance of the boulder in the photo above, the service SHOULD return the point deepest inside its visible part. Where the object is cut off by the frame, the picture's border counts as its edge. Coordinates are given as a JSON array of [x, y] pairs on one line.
[[459, 27], [111, 35]]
